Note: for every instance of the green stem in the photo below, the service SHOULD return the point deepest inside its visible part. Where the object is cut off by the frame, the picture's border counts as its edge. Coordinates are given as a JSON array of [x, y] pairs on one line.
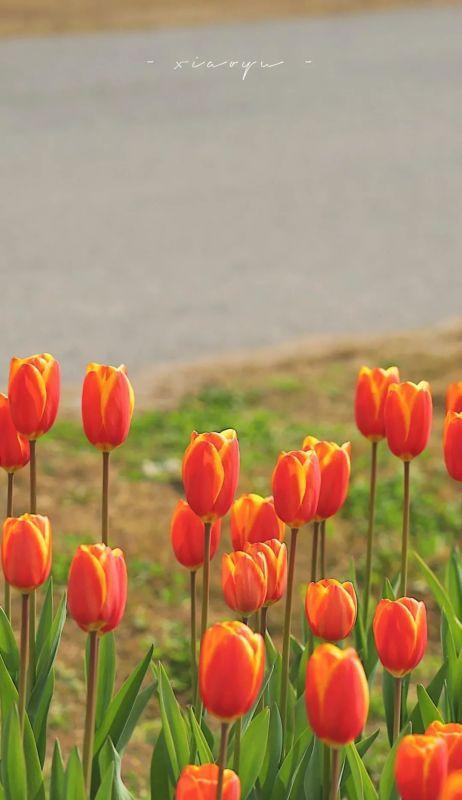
[[105, 500], [397, 695], [24, 647], [206, 578], [237, 745], [33, 477], [370, 531], [287, 626], [326, 771], [323, 548], [264, 621], [405, 539], [193, 636], [33, 603], [222, 758], [334, 786], [314, 551], [9, 513], [89, 735]]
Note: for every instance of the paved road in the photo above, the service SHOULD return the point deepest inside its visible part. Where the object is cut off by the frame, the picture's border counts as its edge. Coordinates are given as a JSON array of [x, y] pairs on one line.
[[150, 214]]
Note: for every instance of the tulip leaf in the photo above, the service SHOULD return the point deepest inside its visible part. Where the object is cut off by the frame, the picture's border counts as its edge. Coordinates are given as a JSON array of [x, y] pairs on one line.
[[136, 711], [46, 619], [41, 719], [388, 689], [58, 775], [273, 751], [13, 763], [387, 789], [45, 662], [434, 690], [110, 758], [363, 786], [161, 785], [428, 710], [105, 791], [443, 600], [201, 746], [253, 748], [106, 674], [8, 691], [75, 784], [283, 778], [454, 581], [8, 647], [313, 780], [173, 725]]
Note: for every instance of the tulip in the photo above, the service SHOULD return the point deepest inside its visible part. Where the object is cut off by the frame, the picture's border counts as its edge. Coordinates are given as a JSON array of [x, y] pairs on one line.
[[331, 609], [454, 397], [296, 486], [254, 519], [452, 735], [452, 787], [187, 533], [244, 582], [14, 448], [34, 391], [107, 406], [275, 554], [421, 767], [200, 783], [452, 444], [335, 468]]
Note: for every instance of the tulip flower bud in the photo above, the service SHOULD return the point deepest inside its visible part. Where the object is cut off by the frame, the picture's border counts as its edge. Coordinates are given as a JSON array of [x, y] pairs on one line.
[[452, 444], [454, 397], [371, 391], [408, 418], [107, 406], [331, 609], [335, 468], [14, 448], [97, 588], [452, 787], [400, 633], [211, 472], [275, 554], [231, 668], [253, 519], [26, 551], [420, 767], [243, 579], [200, 783], [452, 735], [34, 390], [337, 694], [188, 537], [296, 486]]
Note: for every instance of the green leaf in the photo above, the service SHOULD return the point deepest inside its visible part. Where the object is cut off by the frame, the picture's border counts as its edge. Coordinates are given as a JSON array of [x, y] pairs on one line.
[[173, 725], [428, 710], [45, 662], [361, 779], [443, 600], [110, 758], [35, 787], [201, 747], [313, 782], [284, 777], [273, 751], [434, 691], [106, 675], [41, 719], [455, 581], [388, 688], [387, 790], [13, 765], [58, 775], [75, 784], [253, 747], [8, 691], [8, 647], [106, 786], [46, 619], [161, 785]]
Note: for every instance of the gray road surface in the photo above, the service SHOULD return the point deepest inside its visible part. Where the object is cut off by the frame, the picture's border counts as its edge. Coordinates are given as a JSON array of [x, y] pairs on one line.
[[150, 214]]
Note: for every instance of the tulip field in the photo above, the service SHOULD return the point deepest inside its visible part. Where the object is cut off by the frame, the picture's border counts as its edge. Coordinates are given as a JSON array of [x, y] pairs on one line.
[[250, 593]]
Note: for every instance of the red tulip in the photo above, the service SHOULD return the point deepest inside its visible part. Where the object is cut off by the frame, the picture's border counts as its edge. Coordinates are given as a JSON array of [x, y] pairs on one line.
[[211, 472], [107, 405], [454, 397], [452, 787], [187, 535], [331, 609], [420, 767], [34, 390], [335, 467], [243, 579], [14, 448], [254, 519], [408, 418], [371, 392], [200, 783], [452, 735], [97, 588], [26, 551], [400, 633], [452, 444], [296, 485], [275, 554]]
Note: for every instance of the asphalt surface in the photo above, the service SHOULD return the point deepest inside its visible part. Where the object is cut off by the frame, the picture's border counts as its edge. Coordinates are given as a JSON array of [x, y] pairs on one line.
[[152, 214]]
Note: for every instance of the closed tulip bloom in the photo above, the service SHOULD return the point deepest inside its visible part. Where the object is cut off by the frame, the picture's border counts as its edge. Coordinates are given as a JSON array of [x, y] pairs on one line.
[[200, 783], [451, 732], [97, 588], [335, 467], [275, 554], [26, 551], [107, 406], [14, 448], [34, 390], [371, 391], [452, 787], [408, 418], [296, 486], [231, 668], [420, 767], [400, 633], [243, 579], [452, 444], [254, 519], [211, 472], [337, 694], [331, 609], [454, 397], [187, 536]]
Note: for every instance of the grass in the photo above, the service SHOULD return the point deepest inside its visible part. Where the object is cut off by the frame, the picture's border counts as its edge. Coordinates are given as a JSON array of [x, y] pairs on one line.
[[273, 406]]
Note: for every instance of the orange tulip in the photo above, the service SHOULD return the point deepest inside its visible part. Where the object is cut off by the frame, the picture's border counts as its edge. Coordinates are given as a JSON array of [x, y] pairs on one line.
[[452, 787], [337, 694], [231, 668], [331, 609], [335, 467], [187, 535], [371, 391], [107, 406], [34, 390], [452, 735], [243, 580], [452, 444], [253, 519], [200, 783], [400, 633], [14, 448], [454, 397], [275, 554], [97, 587], [26, 551], [211, 472], [296, 486], [408, 418], [420, 767]]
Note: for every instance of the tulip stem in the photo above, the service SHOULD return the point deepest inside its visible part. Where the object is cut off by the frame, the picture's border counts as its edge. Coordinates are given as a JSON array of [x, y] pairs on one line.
[[323, 548], [24, 646], [9, 513], [314, 551], [222, 758], [90, 714], [33, 477], [405, 539], [193, 637], [237, 745], [370, 531], [206, 577], [33, 604], [326, 771], [334, 786], [287, 625], [105, 500], [397, 707], [263, 621]]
